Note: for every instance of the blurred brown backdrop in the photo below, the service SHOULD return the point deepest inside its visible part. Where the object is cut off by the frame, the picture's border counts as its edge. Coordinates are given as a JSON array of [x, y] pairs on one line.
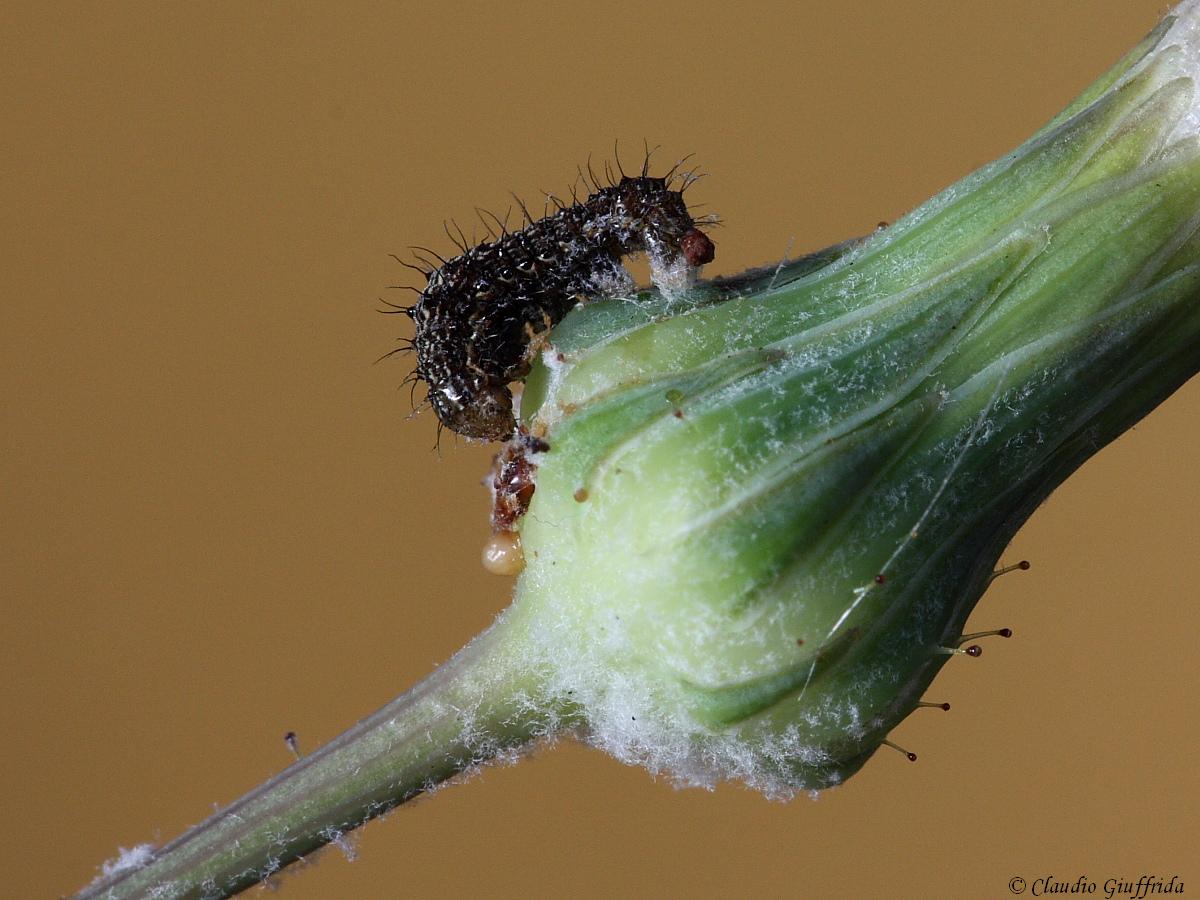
[[217, 525]]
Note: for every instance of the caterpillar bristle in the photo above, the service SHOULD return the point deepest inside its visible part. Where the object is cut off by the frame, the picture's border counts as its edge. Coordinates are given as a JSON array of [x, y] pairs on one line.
[[395, 309], [433, 267], [503, 226], [413, 379], [646, 159], [416, 411], [425, 272], [670, 176], [483, 221], [432, 253], [407, 348], [524, 209], [462, 236], [581, 178], [461, 246]]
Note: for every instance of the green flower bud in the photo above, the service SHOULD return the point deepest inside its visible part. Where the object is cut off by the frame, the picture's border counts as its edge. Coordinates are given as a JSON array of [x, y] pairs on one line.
[[769, 506], [764, 507]]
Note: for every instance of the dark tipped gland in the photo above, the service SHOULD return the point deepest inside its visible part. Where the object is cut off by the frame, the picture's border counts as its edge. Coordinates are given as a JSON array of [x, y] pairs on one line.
[[973, 650], [975, 635], [925, 704], [912, 757], [1023, 566]]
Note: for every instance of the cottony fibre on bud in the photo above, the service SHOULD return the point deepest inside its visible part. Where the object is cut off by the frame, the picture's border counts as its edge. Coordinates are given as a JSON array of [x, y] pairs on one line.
[[768, 506]]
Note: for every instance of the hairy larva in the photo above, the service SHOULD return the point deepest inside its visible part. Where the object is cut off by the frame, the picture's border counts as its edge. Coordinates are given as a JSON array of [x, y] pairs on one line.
[[481, 312]]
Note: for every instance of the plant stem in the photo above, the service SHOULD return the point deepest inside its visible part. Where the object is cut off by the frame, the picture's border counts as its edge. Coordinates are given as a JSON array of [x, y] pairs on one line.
[[481, 703]]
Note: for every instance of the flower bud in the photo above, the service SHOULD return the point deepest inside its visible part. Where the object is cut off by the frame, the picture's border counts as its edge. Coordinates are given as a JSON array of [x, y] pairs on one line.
[[768, 505]]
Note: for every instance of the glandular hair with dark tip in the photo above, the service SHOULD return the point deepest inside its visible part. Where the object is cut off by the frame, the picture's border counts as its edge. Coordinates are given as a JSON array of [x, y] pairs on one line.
[[481, 313]]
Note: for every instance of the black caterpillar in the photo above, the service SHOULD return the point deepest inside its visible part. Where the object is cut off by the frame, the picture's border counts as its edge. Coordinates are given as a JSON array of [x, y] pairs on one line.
[[480, 312]]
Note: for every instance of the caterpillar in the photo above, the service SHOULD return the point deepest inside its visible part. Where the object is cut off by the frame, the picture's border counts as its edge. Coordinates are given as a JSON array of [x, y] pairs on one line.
[[481, 313]]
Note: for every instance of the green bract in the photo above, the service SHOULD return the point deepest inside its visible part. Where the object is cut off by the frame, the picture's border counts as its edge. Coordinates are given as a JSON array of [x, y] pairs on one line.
[[768, 505]]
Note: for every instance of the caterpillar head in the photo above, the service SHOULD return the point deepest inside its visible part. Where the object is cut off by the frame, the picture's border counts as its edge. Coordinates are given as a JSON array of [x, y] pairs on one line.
[[476, 408]]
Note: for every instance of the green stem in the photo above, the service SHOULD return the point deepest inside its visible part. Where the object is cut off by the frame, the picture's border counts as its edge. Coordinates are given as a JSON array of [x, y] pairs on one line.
[[483, 702]]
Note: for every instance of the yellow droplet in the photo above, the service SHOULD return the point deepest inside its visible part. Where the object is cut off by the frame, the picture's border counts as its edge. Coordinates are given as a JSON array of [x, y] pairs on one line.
[[502, 554]]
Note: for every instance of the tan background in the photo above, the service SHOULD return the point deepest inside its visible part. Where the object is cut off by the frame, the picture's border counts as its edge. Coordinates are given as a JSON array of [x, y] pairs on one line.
[[217, 525]]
